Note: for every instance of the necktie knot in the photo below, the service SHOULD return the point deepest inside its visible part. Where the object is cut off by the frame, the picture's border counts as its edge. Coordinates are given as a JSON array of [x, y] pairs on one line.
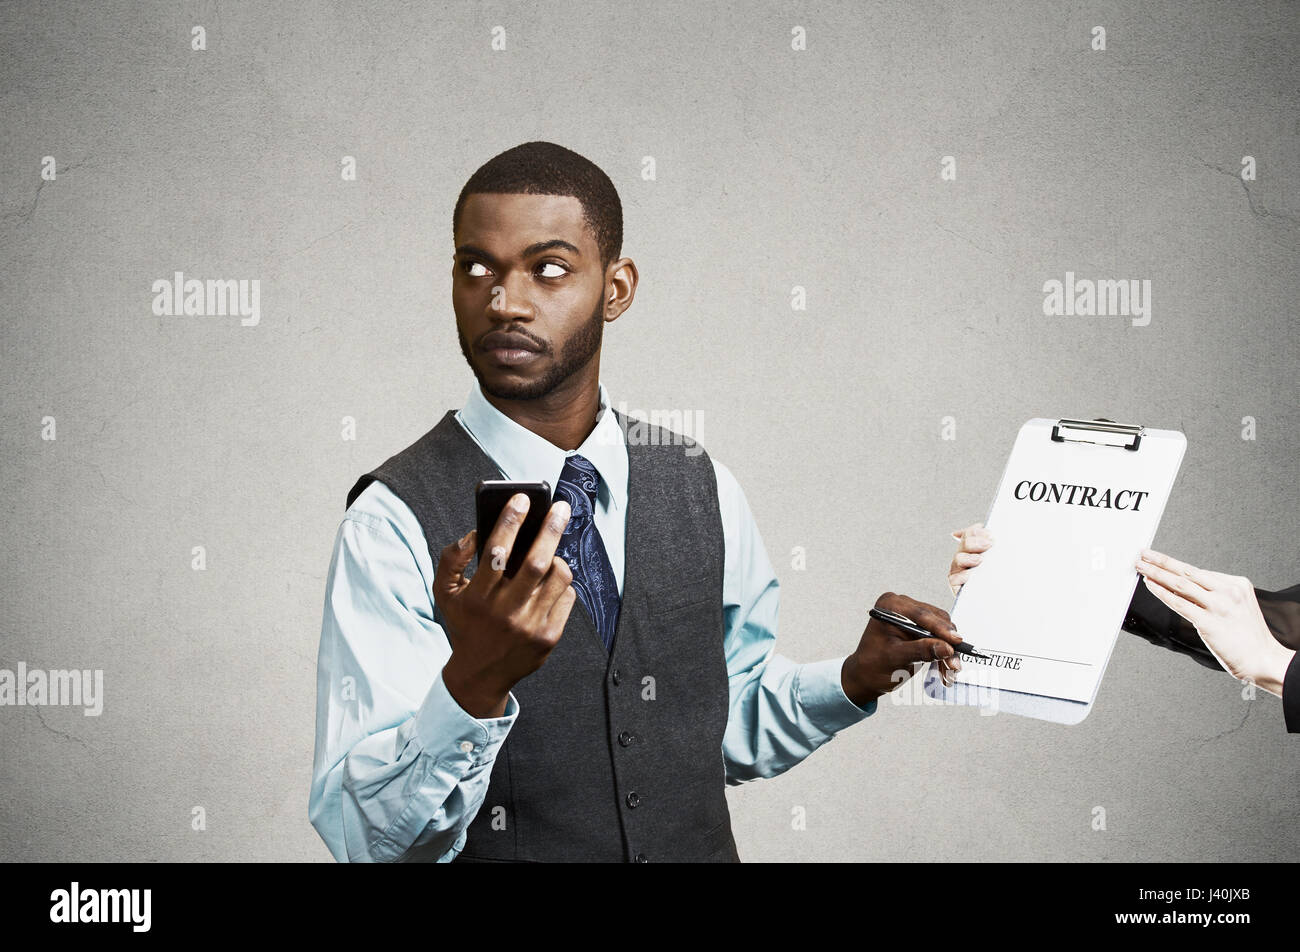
[[580, 474]]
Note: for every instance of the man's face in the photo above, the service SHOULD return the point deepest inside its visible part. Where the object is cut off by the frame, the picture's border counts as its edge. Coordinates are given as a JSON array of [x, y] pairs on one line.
[[526, 267]]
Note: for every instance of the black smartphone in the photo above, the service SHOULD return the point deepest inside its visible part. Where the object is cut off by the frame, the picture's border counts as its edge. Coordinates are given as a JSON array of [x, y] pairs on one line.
[[490, 498]]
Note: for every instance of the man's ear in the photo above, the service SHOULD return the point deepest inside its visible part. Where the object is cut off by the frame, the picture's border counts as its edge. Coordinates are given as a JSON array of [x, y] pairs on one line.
[[620, 288]]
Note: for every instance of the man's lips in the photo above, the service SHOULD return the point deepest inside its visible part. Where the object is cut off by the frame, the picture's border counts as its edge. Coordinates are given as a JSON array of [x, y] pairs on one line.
[[508, 342], [509, 350]]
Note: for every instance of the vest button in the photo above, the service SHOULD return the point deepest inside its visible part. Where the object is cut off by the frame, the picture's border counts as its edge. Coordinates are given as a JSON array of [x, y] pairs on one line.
[[640, 858], [625, 738], [633, 799], [618, 676]]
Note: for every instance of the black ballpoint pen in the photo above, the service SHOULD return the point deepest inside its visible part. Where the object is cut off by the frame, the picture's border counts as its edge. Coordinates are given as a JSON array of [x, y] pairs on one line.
[[905, 623]]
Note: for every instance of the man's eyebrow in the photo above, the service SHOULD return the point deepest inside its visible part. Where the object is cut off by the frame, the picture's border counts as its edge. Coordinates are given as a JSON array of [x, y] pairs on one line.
[[535, 248]]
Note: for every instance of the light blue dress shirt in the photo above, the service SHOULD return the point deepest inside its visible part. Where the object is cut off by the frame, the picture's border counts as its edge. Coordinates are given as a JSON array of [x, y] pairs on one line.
[[401, 769]]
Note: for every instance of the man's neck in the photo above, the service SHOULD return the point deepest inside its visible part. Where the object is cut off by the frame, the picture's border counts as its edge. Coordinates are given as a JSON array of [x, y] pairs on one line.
[[564, 417]]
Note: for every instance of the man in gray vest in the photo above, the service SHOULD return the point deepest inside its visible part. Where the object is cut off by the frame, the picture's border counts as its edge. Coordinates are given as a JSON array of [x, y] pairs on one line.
[[595, 705]]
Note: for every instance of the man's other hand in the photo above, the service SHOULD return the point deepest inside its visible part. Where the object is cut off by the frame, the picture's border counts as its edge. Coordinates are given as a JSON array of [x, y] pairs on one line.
[[887, 655]]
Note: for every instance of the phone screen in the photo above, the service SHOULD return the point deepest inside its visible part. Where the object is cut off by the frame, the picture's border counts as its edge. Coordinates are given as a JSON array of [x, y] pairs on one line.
[[490, 498]]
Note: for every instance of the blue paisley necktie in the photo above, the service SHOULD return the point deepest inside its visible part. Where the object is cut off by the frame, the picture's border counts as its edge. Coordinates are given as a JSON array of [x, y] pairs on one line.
[[582, 549]]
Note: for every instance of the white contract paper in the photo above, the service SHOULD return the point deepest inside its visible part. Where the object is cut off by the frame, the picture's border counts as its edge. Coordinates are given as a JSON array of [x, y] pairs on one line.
[[1068, 522]]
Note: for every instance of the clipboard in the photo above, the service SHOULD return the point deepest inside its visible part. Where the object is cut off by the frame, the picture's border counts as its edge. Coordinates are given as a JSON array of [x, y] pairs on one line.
[[1077, 502]]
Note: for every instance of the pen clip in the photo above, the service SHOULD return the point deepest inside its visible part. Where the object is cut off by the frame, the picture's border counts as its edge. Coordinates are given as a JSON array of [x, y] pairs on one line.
[[895, 616]]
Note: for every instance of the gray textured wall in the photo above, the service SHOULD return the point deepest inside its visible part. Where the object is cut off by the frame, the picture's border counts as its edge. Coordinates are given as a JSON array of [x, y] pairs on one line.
[[775, 168]]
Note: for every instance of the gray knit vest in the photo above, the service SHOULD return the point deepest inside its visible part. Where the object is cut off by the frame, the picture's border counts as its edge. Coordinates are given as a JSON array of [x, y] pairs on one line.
[[614, 757]]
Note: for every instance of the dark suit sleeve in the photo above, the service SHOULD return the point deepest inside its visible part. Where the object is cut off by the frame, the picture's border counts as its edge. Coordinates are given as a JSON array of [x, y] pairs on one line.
[[1291, 696], [1152, 619]]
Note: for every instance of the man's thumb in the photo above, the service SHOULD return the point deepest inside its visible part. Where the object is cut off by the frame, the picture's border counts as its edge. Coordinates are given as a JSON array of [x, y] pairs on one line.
[[453, 562]]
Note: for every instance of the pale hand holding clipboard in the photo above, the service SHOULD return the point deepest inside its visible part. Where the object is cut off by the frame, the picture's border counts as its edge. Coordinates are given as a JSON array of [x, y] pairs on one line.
[[1077, 502]]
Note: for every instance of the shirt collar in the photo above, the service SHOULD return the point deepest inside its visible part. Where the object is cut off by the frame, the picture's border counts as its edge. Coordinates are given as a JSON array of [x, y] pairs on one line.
[[522, 455]]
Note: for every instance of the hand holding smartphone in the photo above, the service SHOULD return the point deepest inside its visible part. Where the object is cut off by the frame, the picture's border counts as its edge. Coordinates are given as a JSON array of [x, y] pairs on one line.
[[502, 623], [490, 498]]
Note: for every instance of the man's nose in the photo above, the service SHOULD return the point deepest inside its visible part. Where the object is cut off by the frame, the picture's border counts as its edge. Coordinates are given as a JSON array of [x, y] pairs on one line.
[[509, 299]]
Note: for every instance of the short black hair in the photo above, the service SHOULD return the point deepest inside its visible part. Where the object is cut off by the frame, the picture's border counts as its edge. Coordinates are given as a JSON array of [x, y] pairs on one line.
[[544, 168]]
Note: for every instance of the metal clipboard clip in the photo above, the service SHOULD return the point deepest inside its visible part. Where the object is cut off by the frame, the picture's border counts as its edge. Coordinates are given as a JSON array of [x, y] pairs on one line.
[[1102, 432]]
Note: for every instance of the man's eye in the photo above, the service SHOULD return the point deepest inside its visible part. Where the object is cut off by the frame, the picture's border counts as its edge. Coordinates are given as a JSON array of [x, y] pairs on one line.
[[467, 265], [552, 264]]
